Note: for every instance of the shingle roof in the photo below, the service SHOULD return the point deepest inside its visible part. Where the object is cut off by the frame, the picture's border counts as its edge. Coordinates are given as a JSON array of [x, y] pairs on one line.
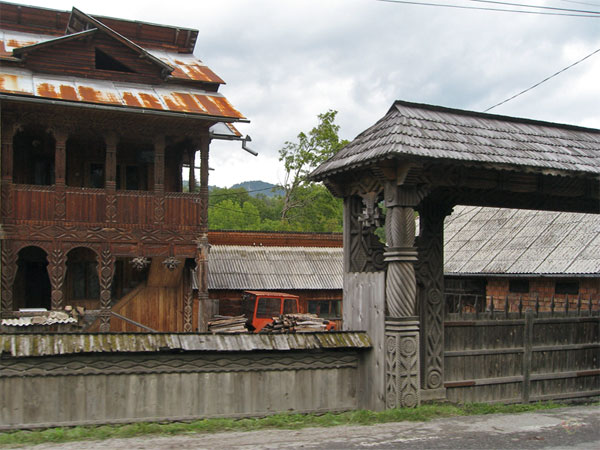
[[510, 241], [426, 132], [274, 268]]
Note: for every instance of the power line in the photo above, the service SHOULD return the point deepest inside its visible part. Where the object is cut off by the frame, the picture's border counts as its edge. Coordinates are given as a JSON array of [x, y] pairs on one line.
[[536, 7], [595, 16], [581, 3], [543, 81], [233, 194]]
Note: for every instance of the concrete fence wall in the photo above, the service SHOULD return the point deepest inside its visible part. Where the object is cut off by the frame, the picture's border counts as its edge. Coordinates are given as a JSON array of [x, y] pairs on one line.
[[171, 384]]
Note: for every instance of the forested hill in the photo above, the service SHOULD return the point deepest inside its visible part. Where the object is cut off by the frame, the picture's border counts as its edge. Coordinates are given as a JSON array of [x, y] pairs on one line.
[[258, 187]]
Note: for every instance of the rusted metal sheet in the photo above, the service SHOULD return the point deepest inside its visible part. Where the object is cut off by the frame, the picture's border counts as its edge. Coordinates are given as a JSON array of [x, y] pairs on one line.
[[185, 66], [24, 345], [428, 132], [175, 99]]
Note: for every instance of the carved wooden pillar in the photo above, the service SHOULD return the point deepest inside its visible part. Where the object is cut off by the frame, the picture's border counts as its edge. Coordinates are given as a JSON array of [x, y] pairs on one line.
[[8, 133], [9, 271], [402, 325], [188, 298], [204, 146], [192, 174], [110, 183], [106, 269], [431, 279], [57, 269], [159, 180], [401, 284], [202, 277], [60, 163]]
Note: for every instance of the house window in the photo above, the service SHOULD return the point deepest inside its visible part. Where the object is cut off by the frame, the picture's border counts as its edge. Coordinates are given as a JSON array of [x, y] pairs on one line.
[[106, 62], [328, 309], [566, 287], [518, 286]]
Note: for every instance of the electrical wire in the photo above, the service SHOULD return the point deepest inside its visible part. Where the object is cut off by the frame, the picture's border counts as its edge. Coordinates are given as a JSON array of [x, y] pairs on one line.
[[404, 2], [543, 81], [581, 3], [535, 6]]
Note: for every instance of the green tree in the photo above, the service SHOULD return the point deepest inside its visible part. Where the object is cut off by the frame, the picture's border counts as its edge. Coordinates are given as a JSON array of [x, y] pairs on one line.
[[303, 156]]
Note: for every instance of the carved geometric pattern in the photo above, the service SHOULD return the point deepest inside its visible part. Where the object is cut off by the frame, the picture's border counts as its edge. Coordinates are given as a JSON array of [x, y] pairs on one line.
[[9, 271], [402, 364], [366, 251], [106, 265], [7, 200], [60, 204], [401, 289], [105, 365], [159, 209], [57, 260], [187, 301], [111, 208], [431, 278]]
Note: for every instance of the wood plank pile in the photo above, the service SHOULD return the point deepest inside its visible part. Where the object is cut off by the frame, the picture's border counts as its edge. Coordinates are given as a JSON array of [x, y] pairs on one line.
[[295, 323], [227, 324]]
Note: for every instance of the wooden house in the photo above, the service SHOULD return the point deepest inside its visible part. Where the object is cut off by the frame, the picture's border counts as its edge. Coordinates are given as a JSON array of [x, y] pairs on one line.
[[100, 117]]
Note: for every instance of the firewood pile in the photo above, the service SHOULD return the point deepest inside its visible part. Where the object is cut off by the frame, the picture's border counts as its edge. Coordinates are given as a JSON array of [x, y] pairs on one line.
[[295, 323], [227, 324]]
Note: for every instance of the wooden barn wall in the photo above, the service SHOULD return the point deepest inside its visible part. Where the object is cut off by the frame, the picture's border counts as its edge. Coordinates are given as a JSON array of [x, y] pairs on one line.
[[119, 388], [522, 359]]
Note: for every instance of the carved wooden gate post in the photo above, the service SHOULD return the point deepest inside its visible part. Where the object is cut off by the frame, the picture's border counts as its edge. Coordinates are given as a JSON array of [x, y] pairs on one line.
[[430, 273], [401, 325]]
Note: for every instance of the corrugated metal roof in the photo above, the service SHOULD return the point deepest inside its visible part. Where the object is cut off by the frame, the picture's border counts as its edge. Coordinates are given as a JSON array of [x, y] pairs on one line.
[[431, 132], [186, 66], [507, 241], [162, 98], [274, 268], [24, 345]]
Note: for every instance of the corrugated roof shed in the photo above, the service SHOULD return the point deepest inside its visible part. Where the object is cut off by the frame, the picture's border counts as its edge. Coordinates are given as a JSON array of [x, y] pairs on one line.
[[275, 268], [426, 132], [510, 241]]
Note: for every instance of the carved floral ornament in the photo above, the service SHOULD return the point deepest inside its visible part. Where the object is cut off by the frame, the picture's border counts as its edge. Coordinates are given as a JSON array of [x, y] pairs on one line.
[[171, 263], [140, 263]]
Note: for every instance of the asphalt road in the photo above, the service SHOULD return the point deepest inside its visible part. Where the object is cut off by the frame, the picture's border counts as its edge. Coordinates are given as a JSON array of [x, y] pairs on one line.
[[575, 427]]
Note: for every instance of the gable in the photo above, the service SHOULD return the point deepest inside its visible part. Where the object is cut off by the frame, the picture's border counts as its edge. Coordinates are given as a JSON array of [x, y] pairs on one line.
[[92, 54]]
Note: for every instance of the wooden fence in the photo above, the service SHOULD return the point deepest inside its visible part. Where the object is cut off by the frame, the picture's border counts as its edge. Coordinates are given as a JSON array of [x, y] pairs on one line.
[[522, 356]]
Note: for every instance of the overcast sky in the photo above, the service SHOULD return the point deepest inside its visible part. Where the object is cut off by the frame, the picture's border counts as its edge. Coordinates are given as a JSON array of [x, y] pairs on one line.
[[286, 61]]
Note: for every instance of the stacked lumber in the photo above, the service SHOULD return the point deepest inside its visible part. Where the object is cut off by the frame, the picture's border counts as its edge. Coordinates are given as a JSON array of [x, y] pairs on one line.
[[227, 324], [296, 323]]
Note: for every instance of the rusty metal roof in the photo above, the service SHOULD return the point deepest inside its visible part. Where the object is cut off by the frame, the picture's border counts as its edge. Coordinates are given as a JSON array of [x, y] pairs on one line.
[[510, 242], [183, 90], [418, 132], [27, 345], [185, 99], [247, 267]]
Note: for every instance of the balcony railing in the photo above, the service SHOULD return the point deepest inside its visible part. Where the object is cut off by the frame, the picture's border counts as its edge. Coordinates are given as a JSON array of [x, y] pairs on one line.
[[90, 206]]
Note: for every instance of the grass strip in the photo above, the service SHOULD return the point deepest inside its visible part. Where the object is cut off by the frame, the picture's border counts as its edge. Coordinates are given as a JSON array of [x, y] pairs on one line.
[[281, 421]]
